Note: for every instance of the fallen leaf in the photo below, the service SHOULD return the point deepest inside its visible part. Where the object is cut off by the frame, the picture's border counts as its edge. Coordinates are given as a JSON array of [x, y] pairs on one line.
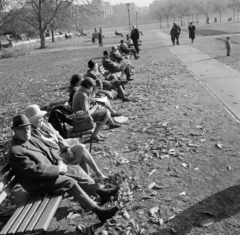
[[219, 146], [153, 211], [183, 194], [150, 186], [185, 165], [152, 172], [171, 218], [207, 222], [81, 228], [126, 215]]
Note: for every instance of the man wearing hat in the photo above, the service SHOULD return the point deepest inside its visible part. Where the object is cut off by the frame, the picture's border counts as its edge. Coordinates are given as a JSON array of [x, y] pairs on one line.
[[114, 67], [37, 170]]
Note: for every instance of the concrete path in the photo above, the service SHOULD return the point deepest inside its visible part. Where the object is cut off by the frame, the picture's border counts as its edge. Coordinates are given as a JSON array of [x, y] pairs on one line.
[[221, 80]]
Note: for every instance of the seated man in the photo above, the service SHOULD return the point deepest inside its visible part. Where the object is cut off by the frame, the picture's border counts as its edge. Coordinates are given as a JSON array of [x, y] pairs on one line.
[[128, 50], [103, 83], [41, 171], [114, 67], [116, 56]]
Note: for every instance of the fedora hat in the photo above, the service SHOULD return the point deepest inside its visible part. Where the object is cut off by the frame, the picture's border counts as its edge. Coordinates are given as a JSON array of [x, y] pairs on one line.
[[20, 121], [33, 112]]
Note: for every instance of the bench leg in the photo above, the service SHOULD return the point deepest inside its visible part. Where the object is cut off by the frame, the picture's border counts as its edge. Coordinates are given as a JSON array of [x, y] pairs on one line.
[[91, 141]]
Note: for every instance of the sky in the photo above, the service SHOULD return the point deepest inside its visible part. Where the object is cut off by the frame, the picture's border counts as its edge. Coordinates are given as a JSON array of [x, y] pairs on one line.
[[139, 3]]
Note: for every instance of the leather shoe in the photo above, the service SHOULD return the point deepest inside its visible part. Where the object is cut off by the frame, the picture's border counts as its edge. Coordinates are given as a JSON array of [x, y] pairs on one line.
[[116, 114], [121, 82], [125, 100], [112, 126], [104, 214], [129, 79], [105, 194]]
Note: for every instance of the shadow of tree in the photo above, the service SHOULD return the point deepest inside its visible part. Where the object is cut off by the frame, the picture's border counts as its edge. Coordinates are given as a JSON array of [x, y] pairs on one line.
[[218, 207]]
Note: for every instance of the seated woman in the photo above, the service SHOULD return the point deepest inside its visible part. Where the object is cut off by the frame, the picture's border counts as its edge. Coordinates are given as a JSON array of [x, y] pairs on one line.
[[105, 84], [74, 86], [82, 101], [71, 154]]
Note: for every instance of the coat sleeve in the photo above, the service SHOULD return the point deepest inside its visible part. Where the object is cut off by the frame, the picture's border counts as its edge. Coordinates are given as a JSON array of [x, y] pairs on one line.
[[21, 162]]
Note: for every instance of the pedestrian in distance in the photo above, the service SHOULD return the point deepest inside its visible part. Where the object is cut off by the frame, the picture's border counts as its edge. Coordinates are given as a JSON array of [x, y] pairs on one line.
[[228, 45], [175, 32], [192, 29]]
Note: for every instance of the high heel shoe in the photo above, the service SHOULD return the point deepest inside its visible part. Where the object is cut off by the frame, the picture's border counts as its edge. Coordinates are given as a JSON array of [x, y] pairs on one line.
[[102, 177]]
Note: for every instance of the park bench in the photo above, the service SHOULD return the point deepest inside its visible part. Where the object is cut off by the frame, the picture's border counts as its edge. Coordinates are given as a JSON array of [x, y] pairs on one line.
[[34, 214]]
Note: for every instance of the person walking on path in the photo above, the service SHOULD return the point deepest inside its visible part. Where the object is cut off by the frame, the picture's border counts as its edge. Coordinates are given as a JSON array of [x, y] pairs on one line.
[[135, 38], [228, 46], [175, 32], [191, 29], [100, 37]]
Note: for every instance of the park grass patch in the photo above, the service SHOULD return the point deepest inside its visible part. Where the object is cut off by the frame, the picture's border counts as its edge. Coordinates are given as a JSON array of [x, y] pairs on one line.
[[15, 52]]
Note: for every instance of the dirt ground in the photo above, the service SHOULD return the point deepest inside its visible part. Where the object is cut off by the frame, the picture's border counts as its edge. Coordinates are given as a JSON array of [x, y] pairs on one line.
[[178, 137]]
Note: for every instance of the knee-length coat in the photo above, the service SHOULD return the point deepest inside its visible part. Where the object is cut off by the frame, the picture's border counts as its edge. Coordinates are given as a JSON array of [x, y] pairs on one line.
[[192, 30]]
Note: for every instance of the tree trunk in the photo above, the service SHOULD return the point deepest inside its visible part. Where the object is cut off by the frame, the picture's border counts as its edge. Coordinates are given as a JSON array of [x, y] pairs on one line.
[[52, 32], [42, 37], [41, 29]]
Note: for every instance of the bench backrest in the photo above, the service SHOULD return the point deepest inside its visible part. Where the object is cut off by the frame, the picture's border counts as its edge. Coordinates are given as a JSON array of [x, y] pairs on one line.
[[7, 181]]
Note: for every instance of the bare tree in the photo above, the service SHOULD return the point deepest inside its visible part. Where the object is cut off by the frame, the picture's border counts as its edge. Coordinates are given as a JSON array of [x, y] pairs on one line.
[[234, 5], [159, 14], [182, 8], [8, 12], [219, 6], [168, 8], [40, 14], [204, 7], [79, 15]]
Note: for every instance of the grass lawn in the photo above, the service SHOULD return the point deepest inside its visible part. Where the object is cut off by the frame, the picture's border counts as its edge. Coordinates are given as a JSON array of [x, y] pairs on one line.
[[178, 137]]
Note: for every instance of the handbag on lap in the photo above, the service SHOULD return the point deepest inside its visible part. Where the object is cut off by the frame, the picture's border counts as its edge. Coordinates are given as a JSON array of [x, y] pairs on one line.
[[82, 121]]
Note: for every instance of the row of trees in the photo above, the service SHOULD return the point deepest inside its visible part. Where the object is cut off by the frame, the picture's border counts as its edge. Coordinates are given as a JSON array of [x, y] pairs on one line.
[[184, 8], [46, 14]]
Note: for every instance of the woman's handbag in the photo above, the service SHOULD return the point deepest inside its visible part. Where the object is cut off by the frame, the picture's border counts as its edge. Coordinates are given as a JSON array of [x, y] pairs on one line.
[[82, 121]]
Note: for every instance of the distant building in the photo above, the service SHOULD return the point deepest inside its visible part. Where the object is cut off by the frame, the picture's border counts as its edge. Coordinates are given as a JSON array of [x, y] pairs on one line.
[[154, 5], [104, 7]]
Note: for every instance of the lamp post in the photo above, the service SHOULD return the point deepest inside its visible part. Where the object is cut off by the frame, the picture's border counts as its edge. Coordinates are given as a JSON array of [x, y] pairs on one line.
[[128, 7], [136, 19]]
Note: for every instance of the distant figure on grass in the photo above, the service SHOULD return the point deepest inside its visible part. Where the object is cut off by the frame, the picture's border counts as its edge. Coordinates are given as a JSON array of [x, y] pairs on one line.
[[175, 32], [100, 37], [191, 29], [135, 37], [228, 46]]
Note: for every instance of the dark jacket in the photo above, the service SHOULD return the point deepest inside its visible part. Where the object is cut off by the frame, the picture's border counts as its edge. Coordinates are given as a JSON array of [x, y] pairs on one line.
[[35, 167], [135, 35], [192, 31], [113, 67]]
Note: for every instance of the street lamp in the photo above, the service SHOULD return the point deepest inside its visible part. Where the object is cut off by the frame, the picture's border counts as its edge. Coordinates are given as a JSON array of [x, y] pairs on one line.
[[128, 7], [136, 19]]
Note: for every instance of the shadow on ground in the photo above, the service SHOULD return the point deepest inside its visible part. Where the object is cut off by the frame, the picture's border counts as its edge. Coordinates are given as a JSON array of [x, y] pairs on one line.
[[219, 206]]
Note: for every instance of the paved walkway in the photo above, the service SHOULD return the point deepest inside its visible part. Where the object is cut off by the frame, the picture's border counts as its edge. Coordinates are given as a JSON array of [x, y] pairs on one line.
[[221, 80]]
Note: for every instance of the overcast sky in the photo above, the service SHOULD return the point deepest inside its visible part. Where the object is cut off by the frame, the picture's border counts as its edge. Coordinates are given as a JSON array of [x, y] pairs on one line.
[[137, 2]]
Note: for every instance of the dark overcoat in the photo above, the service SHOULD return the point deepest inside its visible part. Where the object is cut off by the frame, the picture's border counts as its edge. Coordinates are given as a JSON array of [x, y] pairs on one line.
[[113, 67], [35, 167], [192, 30]]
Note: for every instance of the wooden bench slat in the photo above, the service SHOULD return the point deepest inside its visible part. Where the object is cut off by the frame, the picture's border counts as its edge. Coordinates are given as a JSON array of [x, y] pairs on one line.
[[37, 215], [23, 214], [14, 216], [6, 180], [4, 170], [7, 190], [48, 214], [37, 201]]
